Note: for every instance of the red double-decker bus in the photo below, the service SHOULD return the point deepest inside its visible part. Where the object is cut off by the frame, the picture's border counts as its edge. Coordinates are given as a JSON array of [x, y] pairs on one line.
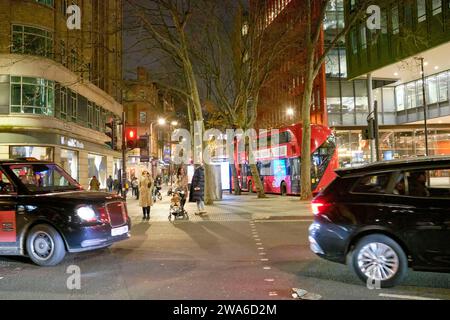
[[279, 165]]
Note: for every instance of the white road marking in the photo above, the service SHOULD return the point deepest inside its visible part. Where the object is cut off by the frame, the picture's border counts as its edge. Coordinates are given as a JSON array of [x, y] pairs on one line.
[[264, 260], [284, 221], [262, 254], [273, 294], [259, 244], [399, 296], [260, 248], [267, 268], [269, 280]]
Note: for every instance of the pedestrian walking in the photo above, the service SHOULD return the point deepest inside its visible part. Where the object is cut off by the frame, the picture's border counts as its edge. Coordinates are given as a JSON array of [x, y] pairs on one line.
[[109, 183], [135, 186], [116, 186], [197, 192], [94, 184], [145, 194]]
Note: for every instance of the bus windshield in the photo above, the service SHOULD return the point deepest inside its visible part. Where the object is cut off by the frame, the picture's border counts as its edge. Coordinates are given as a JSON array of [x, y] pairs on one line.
[[44, 178]]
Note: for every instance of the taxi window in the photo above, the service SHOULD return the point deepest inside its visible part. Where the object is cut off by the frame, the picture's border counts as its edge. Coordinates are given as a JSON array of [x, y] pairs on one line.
[[6, 187], [44, 178]]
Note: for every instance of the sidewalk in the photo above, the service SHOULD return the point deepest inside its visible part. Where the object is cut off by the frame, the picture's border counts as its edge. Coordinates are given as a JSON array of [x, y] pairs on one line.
[[231, 208]]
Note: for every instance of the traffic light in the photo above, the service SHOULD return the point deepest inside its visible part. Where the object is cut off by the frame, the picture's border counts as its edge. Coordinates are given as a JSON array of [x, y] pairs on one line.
[[368, 132], [111, 132], [132, 138]]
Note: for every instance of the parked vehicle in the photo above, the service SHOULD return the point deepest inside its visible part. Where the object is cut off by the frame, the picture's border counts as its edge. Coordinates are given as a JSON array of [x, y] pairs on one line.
[[383, 218], [44, 213]]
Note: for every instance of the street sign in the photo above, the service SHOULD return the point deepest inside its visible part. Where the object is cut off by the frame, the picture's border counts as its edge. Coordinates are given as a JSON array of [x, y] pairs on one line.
[[143, 145]]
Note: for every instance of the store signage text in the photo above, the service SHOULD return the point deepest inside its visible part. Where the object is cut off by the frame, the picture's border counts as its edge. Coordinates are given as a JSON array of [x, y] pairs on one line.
[[74, 20], [73, 143]]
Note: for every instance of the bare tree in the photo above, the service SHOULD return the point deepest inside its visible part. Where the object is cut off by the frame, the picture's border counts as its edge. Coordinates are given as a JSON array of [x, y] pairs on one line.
[[236, 55], [164, 26], [314, 14]]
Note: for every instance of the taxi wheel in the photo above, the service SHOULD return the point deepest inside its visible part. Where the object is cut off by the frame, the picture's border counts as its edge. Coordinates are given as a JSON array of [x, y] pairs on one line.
[[45, 246]]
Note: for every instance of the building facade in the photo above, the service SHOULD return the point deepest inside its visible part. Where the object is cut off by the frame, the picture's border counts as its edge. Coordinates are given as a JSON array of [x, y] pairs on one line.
[[280, 99], [59, 87], [409, 29], [146, 105]]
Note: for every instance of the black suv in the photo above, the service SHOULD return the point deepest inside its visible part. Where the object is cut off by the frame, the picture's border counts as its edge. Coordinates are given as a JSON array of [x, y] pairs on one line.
[[385, 217], [44, 213]]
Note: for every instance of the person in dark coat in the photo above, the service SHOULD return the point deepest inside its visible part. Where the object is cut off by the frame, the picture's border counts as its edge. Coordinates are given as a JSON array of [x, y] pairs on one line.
[[197, 191]]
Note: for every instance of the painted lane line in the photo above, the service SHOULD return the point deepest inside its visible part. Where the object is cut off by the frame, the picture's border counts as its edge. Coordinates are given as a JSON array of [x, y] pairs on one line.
[[286, 221], [406, 297], [273, 294], [259, 244], [267, 268], [262, 254], [264, 260], [269, 280], [260, 248]]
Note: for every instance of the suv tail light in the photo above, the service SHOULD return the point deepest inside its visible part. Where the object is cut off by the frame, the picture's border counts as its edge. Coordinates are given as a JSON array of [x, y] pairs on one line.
[[319, 206]]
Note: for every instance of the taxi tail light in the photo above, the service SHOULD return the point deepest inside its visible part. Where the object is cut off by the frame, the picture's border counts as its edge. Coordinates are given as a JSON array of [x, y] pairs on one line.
[[104, 217], [319, 206], [124, 212]]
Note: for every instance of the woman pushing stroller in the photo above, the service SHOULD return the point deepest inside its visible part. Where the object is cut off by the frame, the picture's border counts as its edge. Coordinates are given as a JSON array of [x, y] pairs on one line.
[[179, 196]]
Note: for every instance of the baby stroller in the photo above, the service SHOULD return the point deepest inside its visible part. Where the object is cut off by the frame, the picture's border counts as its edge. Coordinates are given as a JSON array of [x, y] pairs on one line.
[[177, 211], [157, 193]]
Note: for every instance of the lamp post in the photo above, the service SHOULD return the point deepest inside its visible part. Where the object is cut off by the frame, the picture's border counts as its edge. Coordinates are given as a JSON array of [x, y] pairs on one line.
[[172, 125], [425, 106], [161, 122]]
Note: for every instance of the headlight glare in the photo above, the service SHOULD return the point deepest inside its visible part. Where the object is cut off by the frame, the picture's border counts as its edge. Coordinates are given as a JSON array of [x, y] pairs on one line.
[[87, 214]]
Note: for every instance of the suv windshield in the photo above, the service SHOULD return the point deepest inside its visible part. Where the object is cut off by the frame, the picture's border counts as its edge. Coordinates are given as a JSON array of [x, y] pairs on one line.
[[43, 178]]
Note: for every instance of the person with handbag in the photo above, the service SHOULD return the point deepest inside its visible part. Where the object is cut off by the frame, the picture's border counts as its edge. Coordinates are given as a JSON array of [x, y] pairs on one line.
[[145, 194], [197, 192]]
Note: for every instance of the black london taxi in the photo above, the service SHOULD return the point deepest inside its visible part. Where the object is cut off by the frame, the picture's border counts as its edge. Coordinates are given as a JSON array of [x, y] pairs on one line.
[[386, 217], [45, 213]]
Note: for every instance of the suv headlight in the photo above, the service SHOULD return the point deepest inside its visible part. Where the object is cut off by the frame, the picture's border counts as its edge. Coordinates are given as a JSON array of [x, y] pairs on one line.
[[87, 214]]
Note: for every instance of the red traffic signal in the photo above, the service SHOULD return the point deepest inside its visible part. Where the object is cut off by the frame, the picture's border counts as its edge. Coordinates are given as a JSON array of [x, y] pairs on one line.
[[132, 138]]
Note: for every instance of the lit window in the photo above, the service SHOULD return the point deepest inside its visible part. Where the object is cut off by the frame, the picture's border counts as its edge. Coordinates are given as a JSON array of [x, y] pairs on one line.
[[49, 3], [32, 95], [33, 41], [363, 37], [421, 10], [395, 23], [437, 7]]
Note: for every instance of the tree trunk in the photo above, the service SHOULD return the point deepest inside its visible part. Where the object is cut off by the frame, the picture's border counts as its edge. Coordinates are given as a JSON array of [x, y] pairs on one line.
[[210, 185], [257, 181], [306, 192], [236, 184]]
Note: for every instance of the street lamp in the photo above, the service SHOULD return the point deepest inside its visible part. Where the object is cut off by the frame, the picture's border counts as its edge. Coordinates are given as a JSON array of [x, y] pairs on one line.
[[161, 122], [290, 112]]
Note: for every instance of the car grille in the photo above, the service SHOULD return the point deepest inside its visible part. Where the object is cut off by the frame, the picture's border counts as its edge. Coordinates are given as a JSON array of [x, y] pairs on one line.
[[117, 213]]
